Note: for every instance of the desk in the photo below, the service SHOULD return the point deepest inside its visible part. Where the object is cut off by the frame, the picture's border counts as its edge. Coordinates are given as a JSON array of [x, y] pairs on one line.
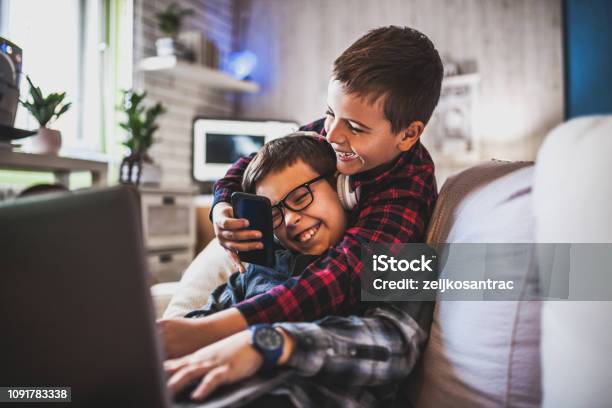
[[60, 166], [169, 229]]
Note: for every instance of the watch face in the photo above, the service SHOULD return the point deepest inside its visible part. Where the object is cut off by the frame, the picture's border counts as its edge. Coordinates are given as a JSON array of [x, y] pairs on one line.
[[268, 339]]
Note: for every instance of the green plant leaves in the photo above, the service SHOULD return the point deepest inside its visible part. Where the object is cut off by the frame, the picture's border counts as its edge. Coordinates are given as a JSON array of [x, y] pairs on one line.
[[44, 109], [140, 121], [64, 108], [171, 20]]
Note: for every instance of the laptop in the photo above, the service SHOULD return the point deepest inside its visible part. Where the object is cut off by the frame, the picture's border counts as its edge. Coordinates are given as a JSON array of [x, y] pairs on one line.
[[75, 308]]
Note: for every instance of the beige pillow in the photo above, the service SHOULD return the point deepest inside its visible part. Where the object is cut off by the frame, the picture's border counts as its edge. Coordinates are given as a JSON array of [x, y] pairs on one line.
[[483, 353], [211, 268], [572, 203]]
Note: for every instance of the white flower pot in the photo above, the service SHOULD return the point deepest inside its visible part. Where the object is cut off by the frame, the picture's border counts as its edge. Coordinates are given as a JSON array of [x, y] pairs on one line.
[[168, 46], [46, 141], [165, 46]]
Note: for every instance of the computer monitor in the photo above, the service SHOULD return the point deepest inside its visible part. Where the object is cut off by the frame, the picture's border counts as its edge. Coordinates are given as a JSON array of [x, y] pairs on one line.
[[217, 143]]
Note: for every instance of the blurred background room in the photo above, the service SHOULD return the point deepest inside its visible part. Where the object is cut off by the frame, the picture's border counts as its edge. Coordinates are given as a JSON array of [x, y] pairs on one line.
[[166, 94]]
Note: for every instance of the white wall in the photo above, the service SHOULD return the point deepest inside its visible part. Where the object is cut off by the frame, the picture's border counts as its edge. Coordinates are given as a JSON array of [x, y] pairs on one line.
[[183, 101], [517, 45]]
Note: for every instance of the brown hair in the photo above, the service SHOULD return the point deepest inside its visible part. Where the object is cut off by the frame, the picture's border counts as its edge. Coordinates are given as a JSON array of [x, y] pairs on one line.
[[399, 63], [278, 154]]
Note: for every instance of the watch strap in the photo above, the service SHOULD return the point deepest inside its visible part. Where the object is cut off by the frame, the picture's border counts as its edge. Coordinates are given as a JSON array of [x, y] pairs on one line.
[[270, 356]]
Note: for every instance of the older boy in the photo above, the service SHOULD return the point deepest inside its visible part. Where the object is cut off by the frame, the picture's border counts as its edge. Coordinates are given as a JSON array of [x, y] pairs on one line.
[[383, 91]]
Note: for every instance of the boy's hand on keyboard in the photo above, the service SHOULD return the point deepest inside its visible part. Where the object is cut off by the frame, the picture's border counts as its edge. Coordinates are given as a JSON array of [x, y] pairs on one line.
[[226, 361], [231, 233]]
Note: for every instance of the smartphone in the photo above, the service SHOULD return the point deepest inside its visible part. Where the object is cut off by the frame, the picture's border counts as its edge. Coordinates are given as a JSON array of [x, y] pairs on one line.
[[258, 210]]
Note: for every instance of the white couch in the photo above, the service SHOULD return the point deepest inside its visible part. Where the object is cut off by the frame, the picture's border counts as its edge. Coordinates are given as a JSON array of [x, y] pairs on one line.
[[488, 354], [573, 203], [483, 353]]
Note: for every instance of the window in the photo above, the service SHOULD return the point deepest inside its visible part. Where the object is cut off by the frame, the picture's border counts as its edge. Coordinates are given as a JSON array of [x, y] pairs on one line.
[[83, 48]]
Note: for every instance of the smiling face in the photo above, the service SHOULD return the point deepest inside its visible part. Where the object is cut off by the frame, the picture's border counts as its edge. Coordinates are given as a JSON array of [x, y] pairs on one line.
[[360, 133], [317, 227]]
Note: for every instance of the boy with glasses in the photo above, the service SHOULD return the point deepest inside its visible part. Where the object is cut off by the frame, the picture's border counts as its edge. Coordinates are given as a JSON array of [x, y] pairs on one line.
[[296, 173]]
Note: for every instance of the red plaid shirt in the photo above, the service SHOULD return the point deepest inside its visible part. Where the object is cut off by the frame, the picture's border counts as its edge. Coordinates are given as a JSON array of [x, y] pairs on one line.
[[395, 205]]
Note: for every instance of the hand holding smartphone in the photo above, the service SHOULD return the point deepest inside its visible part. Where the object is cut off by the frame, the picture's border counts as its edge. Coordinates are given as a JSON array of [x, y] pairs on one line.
[[258, 210]]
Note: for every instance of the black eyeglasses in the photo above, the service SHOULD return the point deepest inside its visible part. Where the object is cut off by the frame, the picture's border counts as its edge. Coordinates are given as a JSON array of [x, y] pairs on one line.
[[297, 199]]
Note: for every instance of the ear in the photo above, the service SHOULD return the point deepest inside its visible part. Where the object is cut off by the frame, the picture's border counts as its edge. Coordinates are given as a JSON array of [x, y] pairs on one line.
[[410, 135]]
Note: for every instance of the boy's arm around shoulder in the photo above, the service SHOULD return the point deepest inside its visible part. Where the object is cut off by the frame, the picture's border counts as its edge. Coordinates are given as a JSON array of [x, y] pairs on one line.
[[231, 182]]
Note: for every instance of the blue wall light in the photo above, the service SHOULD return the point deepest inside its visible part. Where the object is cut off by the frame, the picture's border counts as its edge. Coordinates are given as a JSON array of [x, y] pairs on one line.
[[240, 64]]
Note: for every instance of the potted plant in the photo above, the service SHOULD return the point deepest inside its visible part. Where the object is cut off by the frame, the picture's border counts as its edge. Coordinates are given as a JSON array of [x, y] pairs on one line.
[[140, 125], [44, 109], [170, 22]]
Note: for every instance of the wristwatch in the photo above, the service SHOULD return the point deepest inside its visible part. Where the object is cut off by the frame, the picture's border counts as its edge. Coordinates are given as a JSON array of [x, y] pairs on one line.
[[268, 342]]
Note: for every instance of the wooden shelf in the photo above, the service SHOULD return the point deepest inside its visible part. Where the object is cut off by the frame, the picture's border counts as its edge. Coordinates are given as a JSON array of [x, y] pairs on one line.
[[60, 166], [198, 73]]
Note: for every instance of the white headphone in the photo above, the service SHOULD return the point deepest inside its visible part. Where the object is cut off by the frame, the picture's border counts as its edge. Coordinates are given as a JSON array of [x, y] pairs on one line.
[[348, 197]]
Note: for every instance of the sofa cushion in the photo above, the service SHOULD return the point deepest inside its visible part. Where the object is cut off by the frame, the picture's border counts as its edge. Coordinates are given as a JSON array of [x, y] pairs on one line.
[[211, 268], [572, 196], [483, 353]]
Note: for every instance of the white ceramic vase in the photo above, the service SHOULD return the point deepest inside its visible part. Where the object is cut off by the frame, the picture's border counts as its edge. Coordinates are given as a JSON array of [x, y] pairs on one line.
[[168, 46], [47, 141], [165, 46]]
